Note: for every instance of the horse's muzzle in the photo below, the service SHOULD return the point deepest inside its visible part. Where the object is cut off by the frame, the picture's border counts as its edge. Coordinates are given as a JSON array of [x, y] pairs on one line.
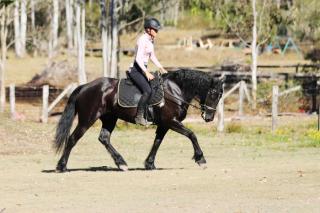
[[207, 117]]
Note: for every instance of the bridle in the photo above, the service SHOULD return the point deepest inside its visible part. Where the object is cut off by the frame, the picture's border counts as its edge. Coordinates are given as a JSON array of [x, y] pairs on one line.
[[203, 107]]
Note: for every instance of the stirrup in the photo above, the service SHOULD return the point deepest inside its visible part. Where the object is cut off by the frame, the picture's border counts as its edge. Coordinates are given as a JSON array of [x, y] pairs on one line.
[[141, 120]]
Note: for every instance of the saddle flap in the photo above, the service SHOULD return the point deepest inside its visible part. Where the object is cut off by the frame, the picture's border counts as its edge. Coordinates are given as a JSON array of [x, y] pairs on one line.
[[129, 94]]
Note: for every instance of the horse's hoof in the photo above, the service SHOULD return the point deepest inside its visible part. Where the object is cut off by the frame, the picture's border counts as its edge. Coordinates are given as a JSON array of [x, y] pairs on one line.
[[148, 166], [123, 168], [203, 165], [61, 170]]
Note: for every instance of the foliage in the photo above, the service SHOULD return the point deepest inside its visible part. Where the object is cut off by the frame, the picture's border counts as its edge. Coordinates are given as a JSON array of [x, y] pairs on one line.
[[314, 135], [306, 20], [93, 21], [5, 2], [300, 21]]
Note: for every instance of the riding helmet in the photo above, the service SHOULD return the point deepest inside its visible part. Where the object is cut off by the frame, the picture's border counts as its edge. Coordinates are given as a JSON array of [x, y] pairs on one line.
[[152, 23]]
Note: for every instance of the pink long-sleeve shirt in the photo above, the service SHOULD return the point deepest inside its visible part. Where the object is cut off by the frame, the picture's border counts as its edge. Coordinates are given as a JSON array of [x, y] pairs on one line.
[[145, 51]]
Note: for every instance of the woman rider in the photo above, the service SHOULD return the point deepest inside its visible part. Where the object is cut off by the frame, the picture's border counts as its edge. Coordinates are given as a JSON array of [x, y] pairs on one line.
[[139, 72]]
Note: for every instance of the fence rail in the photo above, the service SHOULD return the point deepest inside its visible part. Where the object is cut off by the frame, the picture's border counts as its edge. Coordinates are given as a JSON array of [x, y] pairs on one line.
[[243, 93], [47, 109], [275, 100]]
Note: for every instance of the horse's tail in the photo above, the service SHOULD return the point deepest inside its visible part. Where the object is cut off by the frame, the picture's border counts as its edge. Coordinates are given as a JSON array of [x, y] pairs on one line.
[[65, 122]]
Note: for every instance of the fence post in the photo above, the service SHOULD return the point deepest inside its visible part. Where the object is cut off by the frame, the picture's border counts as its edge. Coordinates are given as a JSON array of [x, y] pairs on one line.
[[12, 101], [220, 115], [241, 98], [275, 95], [189, 43], [45, 100]]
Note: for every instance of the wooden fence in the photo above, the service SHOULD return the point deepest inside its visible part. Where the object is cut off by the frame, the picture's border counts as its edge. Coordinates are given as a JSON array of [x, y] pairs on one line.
[[46, 108], [275, 99], [243, 92]]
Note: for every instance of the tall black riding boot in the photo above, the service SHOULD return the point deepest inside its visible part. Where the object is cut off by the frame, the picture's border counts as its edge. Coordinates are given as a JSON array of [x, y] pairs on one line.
[[142, 105]]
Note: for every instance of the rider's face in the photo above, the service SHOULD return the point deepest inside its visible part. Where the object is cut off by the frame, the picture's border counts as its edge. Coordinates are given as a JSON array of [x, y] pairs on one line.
[[153, 32]]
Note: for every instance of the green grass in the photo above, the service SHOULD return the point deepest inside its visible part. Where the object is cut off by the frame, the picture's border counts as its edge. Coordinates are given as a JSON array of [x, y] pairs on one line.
[[288, 137]]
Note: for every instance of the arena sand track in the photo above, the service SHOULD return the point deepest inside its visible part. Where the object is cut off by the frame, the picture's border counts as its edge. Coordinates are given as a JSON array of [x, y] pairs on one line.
[[239, 177]]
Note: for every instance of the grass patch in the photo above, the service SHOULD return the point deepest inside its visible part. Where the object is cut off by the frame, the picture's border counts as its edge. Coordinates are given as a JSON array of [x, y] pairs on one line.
[[234, 127]]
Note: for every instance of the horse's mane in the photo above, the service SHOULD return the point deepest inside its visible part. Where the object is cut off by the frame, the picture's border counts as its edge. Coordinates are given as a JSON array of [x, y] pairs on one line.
[[189, 79]]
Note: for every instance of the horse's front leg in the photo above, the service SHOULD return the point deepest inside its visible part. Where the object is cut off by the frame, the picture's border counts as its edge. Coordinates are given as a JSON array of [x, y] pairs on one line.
[[198, 154], [160, 133]]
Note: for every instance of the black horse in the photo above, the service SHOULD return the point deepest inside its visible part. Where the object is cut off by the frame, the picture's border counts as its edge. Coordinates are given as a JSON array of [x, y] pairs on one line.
[[98, 100]]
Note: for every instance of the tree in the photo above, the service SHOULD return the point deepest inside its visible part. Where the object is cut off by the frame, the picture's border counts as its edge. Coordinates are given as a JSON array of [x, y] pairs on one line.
[[5, 10], [33, 27], [20, 27], [104, 38], [53, 38], [305, 24], [69, 23], [55, 24], [254, 24], [114, 37], [17, 43], [80, 28], [254, 55]]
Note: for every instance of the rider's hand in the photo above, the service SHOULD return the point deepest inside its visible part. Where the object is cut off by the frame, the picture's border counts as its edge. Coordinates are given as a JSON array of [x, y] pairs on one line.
[[149, 76], [163, 70]]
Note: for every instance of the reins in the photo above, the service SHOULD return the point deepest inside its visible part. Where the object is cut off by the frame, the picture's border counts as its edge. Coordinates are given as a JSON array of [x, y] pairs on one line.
[[189, 104], [201, 108], [183, 101]]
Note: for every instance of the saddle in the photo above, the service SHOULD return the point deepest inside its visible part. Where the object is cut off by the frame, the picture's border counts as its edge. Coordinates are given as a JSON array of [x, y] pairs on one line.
[[129, 94]]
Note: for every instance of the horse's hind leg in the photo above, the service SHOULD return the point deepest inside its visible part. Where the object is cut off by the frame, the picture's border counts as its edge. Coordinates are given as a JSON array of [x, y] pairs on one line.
[[160, 133], [108, 124], [72, 140]]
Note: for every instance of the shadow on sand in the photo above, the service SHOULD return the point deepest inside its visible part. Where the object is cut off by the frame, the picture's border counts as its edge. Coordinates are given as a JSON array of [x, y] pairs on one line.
[[107, 169]]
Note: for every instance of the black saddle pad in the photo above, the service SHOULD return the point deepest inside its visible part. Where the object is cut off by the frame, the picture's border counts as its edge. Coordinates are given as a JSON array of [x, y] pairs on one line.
[[129, 94]]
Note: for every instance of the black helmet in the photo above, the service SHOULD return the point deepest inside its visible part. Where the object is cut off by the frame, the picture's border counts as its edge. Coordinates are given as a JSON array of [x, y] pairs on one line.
[[152, 23]]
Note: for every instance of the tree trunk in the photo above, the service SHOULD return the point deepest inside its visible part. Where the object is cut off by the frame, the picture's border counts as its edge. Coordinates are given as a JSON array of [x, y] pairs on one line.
[[3, 43], [69, 23], [23, 25], [278, 4], [254, 53], [33, 28], [162, 11], [55, 25], [114, 29], [109, 47], [17, 35], [104, 38], [4, 24], [74, 23], [81, 42], [176, 13]]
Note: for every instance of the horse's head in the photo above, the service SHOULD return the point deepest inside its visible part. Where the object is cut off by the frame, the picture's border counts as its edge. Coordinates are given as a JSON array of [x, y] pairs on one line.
[[209, 106]]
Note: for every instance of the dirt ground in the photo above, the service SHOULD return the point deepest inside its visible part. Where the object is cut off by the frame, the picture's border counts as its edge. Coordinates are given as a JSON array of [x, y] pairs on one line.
[[243, 174], [239, 177]]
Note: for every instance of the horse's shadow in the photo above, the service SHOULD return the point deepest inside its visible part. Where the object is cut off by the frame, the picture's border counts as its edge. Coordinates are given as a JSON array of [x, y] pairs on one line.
[[107, 169]]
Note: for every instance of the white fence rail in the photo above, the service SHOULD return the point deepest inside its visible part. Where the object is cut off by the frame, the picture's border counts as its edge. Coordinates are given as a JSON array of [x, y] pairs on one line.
[[243, 93], [46, 108], [275, 100]]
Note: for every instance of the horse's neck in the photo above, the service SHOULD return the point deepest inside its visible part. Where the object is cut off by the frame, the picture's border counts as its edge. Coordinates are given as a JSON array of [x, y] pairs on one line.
[[191, 83], [190, 90]]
